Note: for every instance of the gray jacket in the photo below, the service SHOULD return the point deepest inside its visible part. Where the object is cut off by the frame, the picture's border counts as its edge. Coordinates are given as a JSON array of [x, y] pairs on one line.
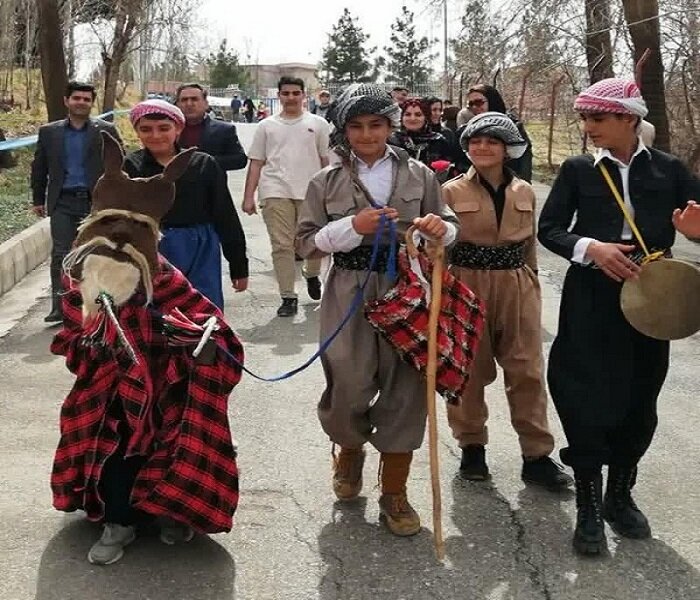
[[48, 168], [332, 194]]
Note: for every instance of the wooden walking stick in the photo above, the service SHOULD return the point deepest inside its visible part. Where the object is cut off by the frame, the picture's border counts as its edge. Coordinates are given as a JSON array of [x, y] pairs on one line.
[[437, 255]]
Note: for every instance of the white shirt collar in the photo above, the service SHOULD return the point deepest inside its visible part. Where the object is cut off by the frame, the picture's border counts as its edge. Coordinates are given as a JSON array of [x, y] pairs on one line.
[[602, 153], [388, 153]]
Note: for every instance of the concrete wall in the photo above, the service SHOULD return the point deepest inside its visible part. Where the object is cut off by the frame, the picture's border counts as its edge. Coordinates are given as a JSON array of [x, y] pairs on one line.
[[23, 253]]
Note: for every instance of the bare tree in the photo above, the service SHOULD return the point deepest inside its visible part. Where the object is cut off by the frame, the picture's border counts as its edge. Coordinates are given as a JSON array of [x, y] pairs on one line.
[[128, 16], [53, 62]]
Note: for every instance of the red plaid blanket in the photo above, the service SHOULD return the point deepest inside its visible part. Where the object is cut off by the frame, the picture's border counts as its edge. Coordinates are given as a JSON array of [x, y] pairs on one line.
[[401, 317], [175, 409]]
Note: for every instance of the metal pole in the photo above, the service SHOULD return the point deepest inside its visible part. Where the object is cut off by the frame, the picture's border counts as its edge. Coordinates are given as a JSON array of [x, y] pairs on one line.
[[444, 24]]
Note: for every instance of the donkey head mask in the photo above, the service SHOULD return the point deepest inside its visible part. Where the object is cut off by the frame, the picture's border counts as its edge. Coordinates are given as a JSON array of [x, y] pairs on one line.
[[116, 250]]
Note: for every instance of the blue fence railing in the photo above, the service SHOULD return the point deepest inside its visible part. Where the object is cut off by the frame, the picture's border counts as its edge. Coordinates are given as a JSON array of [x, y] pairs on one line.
[[30, 140]]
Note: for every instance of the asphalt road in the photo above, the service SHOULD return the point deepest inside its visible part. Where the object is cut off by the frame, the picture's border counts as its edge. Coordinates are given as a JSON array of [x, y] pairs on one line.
[[291, 540]]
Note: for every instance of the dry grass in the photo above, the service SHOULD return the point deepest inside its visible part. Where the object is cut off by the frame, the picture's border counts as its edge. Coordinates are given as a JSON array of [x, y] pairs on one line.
[[566, 142]]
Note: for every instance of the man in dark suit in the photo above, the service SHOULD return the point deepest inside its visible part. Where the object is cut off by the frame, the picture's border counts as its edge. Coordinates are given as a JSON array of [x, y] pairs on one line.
[[217, 138], [67, 163]]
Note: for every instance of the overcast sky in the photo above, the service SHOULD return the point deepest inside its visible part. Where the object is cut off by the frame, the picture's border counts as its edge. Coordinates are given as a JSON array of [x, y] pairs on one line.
[[274, 31]]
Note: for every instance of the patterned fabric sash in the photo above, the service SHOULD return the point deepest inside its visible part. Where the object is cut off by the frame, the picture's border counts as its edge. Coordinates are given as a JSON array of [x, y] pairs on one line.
[[488, 258], [359, 259]]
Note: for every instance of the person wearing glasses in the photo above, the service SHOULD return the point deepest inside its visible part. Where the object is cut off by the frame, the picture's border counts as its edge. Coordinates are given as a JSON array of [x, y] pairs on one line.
[[288, 149], [483, 98]]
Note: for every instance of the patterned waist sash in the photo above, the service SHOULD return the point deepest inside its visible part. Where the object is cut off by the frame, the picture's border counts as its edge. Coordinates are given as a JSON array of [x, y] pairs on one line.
[[488, 258], [359, 259]]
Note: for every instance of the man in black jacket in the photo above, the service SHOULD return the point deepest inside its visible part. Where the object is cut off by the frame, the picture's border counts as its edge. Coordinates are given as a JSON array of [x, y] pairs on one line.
[[604, 376], [217, 138], [67, 163]]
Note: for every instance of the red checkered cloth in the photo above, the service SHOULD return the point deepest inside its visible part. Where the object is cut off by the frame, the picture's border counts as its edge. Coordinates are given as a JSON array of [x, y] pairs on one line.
[[175, 409], [401, 317]]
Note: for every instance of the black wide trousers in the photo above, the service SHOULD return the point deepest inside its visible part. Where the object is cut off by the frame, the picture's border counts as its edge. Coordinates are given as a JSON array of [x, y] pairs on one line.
[[604, 376]]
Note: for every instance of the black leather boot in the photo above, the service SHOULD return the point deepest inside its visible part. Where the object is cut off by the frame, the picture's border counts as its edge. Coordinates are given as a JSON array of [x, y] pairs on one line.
[[473, 466], [589, 536], [56, 314], [619, 508]]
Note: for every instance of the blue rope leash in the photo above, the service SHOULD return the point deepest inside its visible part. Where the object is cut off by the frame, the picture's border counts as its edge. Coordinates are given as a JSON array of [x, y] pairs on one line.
[[357, 301]]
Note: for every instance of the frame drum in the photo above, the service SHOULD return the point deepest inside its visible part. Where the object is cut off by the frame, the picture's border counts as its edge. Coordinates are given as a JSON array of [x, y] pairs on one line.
[[664, 301]]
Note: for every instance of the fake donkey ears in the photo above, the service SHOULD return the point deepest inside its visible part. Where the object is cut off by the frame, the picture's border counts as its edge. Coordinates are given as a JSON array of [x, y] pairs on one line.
[[152, 196]]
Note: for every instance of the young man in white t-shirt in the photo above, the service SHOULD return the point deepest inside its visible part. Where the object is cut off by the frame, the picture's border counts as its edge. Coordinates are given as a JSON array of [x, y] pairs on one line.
[[288, 150]]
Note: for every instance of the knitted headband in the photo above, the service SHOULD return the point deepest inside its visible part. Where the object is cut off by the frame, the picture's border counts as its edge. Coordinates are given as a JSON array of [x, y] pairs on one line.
[[617, 96], [356, 100], [495, 125], [156, 107]]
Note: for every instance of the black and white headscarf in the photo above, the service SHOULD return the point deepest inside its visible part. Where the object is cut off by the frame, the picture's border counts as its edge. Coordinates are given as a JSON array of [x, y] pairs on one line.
[[356, 100], [495, 125]]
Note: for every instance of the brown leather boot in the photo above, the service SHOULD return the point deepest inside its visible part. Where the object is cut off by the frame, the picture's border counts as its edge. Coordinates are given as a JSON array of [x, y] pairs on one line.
[[394, 507], [347, 473]]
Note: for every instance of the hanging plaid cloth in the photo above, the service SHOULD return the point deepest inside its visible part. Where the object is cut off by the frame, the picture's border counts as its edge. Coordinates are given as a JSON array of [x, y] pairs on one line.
[[401, 317]]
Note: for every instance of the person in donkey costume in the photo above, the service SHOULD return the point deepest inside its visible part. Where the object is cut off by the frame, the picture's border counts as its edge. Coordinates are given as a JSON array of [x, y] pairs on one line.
[[496, 256], [605, 376], [144, 430], [371, 395]]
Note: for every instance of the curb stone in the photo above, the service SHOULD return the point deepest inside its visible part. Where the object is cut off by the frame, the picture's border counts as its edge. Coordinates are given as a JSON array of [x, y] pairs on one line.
[[22, 253]]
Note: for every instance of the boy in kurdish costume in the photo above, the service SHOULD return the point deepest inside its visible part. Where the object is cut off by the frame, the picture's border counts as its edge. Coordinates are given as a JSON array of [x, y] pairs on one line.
[[604, 376], [203, 220], [343, 209], [496, 256]]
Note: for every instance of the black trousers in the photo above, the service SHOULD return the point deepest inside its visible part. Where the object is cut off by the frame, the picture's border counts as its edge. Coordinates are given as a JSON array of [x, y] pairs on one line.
[[117, 479], [604, 376], [69, 211]]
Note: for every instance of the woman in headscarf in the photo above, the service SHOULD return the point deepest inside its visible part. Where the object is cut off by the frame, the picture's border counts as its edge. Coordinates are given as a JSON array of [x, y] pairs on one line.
[[345, 205], [421, 142], [436, 109], [203, 220], [483, 98], [495, 256]]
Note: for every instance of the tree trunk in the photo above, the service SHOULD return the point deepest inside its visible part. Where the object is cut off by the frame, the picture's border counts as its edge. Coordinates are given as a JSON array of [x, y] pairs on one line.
[[642, 18], [552, 116], [523, 88], [598, 44], [127, 17], [70, 38], [53, 60]]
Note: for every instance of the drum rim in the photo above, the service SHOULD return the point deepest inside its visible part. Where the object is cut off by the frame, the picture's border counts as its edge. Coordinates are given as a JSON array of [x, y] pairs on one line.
[[692, 271]]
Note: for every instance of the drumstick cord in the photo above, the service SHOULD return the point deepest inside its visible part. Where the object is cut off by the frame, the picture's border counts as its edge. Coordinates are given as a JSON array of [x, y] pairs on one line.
[[648, 256]]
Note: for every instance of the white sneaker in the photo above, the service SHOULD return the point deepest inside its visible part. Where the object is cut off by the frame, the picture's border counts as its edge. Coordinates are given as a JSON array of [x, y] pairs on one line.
[[172, 532], [110, 547]]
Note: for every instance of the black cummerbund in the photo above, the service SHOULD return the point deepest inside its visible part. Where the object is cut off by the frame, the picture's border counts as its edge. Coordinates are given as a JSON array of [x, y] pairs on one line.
[[359, 259], [488, 258]]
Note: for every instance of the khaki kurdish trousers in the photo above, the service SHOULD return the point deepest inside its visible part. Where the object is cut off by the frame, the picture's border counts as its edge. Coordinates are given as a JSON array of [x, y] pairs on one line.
[[371, 395], [280, 216], [512, 337]]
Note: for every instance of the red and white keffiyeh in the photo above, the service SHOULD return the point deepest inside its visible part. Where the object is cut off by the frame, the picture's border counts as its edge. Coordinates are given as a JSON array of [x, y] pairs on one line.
[[618, 96], [156, 107]]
